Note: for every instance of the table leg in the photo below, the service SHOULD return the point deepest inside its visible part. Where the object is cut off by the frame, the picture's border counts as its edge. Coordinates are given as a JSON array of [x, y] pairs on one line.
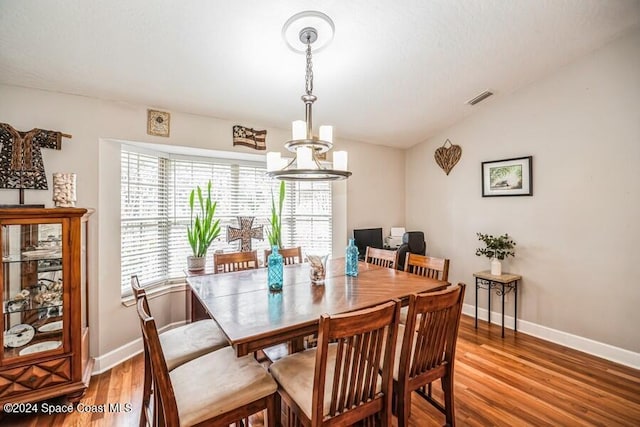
[[502, 310], [476, 303], [489, 304], [515, 308]]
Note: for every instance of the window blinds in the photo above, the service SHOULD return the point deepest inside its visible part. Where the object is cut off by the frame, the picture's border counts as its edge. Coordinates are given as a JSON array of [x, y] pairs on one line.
[[155, 211]]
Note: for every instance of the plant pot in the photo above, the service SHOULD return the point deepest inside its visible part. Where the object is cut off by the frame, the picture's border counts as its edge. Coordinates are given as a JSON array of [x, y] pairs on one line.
[[196, 263], [496, 267]]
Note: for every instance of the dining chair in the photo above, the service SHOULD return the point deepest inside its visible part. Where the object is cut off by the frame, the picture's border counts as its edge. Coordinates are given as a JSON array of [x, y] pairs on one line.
[[338, 383], [289, 255], [381, 257], [180, 345], [215, 389], [235, 261], [426, 349], [427, 266]]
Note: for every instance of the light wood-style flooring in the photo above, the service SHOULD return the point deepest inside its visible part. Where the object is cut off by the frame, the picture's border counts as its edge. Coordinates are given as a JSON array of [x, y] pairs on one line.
[[515, 381]]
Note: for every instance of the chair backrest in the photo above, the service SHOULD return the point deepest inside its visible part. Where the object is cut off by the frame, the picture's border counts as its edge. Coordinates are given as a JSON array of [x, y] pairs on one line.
[[164, 400], [430, 335], [289, 255], [362, 339], [435, 268], [235, 261], [381, 257]]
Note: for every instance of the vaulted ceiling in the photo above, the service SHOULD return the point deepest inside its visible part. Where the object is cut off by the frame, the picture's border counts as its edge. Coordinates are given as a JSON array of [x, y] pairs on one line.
[[395, 73]]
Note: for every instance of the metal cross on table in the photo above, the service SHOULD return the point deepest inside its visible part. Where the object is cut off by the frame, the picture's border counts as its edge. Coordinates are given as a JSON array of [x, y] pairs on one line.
[[245, 233]]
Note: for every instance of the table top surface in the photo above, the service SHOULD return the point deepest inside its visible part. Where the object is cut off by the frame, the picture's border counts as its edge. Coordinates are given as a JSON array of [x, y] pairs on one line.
[[503, 278], [246, 310]]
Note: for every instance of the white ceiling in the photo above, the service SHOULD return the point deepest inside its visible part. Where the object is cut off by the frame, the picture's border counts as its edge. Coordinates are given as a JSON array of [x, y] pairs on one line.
[[395, 73]]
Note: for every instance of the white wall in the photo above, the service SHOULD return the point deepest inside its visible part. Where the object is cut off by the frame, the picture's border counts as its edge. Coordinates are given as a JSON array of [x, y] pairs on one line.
[[578, 237], [90, 154]]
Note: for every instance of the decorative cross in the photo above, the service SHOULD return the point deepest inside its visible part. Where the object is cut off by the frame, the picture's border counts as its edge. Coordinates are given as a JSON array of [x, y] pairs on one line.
[[245, 233]]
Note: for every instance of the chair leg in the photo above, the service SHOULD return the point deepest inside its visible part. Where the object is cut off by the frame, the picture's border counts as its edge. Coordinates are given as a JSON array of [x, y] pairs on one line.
[[447, 388], [146, 392], [403, 402], [273, 411]]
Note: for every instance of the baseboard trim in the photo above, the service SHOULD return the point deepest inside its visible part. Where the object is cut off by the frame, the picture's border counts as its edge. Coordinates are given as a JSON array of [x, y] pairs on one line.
[[115, 357], [595, 348], [615, 354]]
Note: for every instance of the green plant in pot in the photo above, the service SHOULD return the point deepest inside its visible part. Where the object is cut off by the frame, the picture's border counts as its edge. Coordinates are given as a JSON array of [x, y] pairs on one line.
[[203, 228], [274, 231], [497, 248]]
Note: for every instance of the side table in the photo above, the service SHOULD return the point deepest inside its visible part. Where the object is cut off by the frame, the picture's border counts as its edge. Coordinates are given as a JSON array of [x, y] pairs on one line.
[[503, 284]]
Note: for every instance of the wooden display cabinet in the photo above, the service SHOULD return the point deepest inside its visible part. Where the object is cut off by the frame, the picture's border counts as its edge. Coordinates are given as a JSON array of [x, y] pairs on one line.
[[44, 348]]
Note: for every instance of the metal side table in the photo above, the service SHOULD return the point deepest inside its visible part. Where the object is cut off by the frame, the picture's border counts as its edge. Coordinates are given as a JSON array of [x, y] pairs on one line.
[[503, 284]]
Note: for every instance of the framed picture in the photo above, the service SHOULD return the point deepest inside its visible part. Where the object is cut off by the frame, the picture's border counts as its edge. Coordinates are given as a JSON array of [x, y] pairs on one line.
[[508, 177], [158, 123]]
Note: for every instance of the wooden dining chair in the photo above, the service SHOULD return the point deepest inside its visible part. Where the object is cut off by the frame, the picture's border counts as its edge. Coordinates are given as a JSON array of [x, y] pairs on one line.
[[426, 349], [427, 266], [180, 345], [235, 261], [290, 255], [381, 257], [216, 389], [339, 383]]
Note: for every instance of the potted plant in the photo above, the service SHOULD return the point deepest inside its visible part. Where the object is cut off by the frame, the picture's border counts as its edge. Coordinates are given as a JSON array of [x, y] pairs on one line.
[[203, 228], [274, 232], [497, 248]]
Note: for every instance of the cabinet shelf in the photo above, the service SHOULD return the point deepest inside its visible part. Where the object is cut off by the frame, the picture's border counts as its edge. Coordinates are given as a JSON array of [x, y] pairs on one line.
[[31, 306]]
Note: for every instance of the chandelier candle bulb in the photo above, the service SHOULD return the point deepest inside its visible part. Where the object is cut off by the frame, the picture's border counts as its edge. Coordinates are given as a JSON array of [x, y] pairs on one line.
[[298, 129], [326, 133], [340, 160], [303, 155], [274, 161]]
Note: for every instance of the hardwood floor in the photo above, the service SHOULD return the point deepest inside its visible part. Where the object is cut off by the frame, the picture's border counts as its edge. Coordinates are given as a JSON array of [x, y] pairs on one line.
[[515, 381]]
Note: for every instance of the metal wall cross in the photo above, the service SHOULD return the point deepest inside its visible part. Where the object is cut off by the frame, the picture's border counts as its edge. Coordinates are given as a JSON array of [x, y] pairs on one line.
[[245, 233]]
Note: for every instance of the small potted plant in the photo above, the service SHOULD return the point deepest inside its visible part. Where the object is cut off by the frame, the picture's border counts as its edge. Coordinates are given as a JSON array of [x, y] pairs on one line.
[[203, 228], [497, 248]]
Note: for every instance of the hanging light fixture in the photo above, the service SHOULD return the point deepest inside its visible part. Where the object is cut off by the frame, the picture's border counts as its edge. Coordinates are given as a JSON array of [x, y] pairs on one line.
[[306, 147]]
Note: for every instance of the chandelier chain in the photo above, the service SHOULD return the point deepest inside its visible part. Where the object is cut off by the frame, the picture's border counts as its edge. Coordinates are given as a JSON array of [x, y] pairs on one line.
[[309, 75]]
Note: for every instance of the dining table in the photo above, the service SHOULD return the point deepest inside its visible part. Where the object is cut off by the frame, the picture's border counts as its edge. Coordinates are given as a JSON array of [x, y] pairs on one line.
[[254, 318]]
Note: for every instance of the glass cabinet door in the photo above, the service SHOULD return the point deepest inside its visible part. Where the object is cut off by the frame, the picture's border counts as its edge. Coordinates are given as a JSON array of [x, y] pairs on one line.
[[32, 288]]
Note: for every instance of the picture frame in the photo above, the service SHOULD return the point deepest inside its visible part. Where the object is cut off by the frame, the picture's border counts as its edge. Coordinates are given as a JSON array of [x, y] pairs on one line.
[[158, 123], [507, 177]]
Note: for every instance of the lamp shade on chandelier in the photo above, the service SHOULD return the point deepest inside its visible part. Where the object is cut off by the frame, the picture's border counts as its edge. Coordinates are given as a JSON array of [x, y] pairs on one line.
[[306, 164]]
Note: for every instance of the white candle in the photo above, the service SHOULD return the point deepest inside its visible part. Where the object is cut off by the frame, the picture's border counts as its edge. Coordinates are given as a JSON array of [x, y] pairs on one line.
[[304, 158], [340, 160], [326, 133], [273, 161], [298, 129]]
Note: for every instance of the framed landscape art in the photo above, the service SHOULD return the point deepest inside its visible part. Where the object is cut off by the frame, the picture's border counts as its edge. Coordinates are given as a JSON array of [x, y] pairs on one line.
[[508, 177]]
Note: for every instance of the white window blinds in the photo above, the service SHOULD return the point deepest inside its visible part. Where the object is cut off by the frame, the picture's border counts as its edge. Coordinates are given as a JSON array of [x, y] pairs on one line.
[[155, 212]]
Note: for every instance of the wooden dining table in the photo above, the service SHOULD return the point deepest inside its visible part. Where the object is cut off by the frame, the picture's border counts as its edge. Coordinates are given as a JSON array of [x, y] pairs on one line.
[[254, 318]]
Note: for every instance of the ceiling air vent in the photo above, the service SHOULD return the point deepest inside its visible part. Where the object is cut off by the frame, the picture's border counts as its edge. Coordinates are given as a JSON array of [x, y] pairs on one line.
[[481, 97]]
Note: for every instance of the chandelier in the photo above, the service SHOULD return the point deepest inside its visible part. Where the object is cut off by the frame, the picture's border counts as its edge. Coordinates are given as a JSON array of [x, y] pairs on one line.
[[307, 148]]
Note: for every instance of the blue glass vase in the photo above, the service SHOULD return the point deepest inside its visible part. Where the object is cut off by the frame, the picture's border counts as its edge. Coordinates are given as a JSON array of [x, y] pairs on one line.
[[275, 268], [351, 262]]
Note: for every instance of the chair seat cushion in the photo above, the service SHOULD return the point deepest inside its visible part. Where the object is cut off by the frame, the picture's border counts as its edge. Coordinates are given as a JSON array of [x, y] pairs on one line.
[[396, 357], [294, 373], [189, 341], [217, 383]]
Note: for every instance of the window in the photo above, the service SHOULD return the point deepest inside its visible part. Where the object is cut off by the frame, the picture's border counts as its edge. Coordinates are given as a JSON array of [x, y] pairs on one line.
[[155, 213]]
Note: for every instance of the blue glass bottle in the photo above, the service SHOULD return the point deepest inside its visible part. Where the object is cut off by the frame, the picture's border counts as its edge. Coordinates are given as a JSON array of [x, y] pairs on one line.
[[351, 263], [275, 270]]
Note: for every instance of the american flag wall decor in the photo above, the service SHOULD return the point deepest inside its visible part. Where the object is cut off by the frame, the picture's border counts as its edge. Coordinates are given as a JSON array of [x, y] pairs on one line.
[[249, 137]]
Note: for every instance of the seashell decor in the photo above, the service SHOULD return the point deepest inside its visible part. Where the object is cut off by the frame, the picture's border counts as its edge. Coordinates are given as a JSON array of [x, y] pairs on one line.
[[64, 189]]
